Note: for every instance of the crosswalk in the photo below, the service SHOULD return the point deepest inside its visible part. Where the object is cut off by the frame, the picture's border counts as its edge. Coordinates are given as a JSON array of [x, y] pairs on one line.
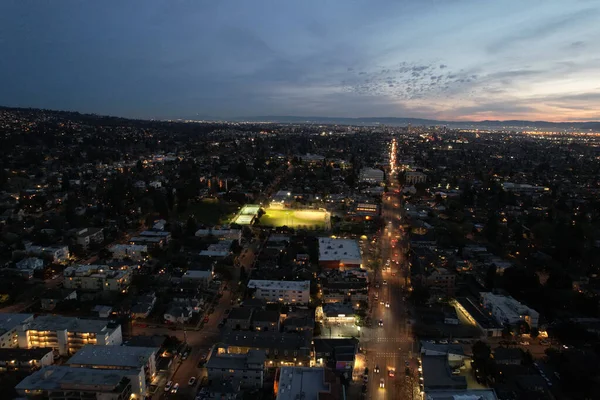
[[390, 339]]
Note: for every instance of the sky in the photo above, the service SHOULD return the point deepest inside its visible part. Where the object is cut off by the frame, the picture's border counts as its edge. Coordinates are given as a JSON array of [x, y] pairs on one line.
[[441, 59]]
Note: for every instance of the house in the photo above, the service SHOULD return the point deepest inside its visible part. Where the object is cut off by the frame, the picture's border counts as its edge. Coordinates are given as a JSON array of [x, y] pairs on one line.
[[87, 236], [131, 251], [57, 254], [51, 298], [25, 360], [30, 263], [223, 390], [266, 320], [246, 369], [338, 354], [371, 175], [177, 314], [240, 318], [102, 311]]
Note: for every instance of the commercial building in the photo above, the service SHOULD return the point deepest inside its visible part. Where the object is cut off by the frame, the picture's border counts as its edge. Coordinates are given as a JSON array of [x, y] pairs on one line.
[[293, 383], [338, 313], [60, 382], [67, 334], [25, 360], [371, 175], [246, 369], [287, 292], [335, 353], [88, 236], [131, 251], [9, 327], [509, 311], [339, 253], [139, 361], [97, 278], [473, 312], [412, 177]]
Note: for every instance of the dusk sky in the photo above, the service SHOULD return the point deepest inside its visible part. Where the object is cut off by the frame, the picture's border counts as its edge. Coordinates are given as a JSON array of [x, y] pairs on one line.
[[443, 59]]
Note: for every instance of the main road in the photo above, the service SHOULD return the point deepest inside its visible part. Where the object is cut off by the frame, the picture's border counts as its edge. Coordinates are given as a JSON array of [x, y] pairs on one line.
[[389, 342]]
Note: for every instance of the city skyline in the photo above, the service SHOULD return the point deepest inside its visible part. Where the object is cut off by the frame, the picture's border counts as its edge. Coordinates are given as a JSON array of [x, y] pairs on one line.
[[454, 60]]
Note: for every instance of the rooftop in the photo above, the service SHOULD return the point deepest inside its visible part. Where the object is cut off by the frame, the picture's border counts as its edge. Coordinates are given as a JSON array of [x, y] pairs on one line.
[[71, 324], [119, 356], [339, 249], [297, 381], [282, 285], [9, 321], [236, 361], [37, 353], [437, 374], [474, 394], [60, 377]]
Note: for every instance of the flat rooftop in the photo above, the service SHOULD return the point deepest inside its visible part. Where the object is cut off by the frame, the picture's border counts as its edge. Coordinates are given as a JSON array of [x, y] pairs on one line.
[[339, 249], [9, 321], [294, 381], [437, 374], [279, 285], [474, 394], [118, 356], [71, 324], [9, 354], [57, 377], [236, 361]]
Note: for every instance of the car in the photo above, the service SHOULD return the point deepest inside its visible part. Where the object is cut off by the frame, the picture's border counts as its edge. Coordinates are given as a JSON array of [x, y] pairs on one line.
[[366, 378], [185, 356], [380, 322], [381, 302], [192, 381], [382, 383], [406, 363], [387, 305], [385, 282], [524, 343], [444, 341], [175, 388], [376, 369], [391, 372], [168, 386]]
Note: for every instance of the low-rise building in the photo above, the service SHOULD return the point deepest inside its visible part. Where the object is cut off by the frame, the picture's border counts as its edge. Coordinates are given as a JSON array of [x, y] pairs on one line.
[[31, 263], [412, 177], [201, 278], [60, 382], [339, 253], [143, 306], [51, 298], [67, 334], [57, 254], [140, 361], [240, 318], [88, 236], [9, 328], [293, 383], [25, 360], [371, 175], [287, 292], [97, 278], [338, 313], [509, 311], [246, 369], [266, 320], [338, 354], [221, 234], [131, 251]]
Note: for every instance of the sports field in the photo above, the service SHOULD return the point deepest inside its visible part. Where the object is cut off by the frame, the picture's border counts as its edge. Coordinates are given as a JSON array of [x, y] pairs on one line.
[[304, 219]]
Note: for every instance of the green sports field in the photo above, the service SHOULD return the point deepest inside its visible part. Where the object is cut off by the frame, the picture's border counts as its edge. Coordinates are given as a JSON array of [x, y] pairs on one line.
[[305, 219]]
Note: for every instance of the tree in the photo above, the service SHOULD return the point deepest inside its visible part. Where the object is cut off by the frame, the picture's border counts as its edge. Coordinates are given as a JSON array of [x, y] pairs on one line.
[[243, 274], [191, 226]]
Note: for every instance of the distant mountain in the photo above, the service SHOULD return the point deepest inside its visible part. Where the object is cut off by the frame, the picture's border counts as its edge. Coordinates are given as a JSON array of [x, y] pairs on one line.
[[593, 125]]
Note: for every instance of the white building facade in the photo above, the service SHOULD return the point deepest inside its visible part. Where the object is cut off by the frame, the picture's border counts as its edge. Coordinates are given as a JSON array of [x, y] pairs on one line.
[[287, 292]]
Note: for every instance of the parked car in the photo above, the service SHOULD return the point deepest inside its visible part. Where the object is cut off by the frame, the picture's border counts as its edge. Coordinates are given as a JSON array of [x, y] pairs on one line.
[[192, 381], [168, 386], [175, 388]]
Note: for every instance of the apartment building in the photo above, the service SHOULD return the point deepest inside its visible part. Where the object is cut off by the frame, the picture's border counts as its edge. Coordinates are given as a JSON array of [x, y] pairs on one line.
[[131, 251], [246, 369], [139, 361], [9, 327], [87, 236], [25, 360], [287, 292], [509, 311], [97, 278], [67, 335], [61, 382]]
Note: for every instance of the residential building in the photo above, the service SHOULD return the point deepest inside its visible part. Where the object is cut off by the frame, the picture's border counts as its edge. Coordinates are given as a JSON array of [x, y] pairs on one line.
[[293, 383], [266, 320], [201, 278], [51, 298], [412, 177], [25, 360], [97, 278], [223, 390], [88, 236], [143, 306], [178, 314], [288, 292], [57, 254], [140, 361], [221, 234], [442, 281], [335, 353], [67, 334], [131, 251], [240, 318], [509, 311], [339, 253], [166, 236], [371, 175], [246, 369], [9, 327], [31, 263], [61, 382]]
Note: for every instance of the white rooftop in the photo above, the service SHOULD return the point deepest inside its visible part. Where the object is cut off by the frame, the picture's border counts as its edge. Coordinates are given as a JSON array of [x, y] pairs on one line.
[[294, 381], [344, 250], [283, 285]]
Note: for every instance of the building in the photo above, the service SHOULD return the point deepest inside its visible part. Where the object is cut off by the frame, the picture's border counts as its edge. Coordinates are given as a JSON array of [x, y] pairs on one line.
[[61, 382], [472, 311], [51, 298], [140, 361], [523, 188], [467, 394], [281, 348], [166, 236], [366, 210], [441, 281], [335, 353], [294, 383], [509, 311], [131, 251], [9, 327], [219, 250], [246, 369], [201, 278], [68, 334], [371, 175], [221, 234], [338, 313], [30, 263], [222, 390], [143, 306], [288, 292], [87, 236], [240, 318], [412, 177], [97, 278], [339, 253], [25, 360], [266, 320], [57, 254]]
